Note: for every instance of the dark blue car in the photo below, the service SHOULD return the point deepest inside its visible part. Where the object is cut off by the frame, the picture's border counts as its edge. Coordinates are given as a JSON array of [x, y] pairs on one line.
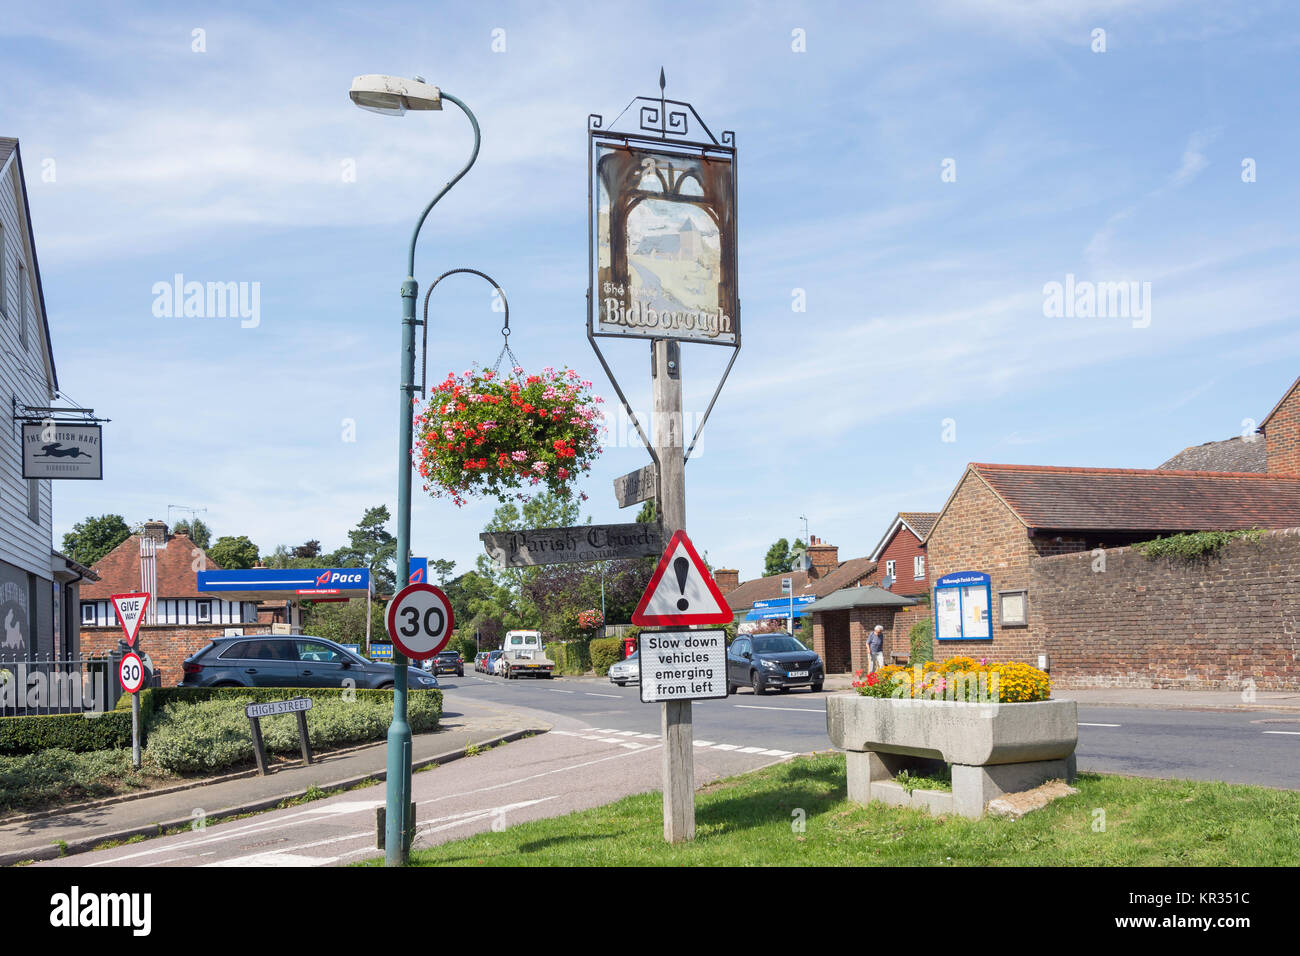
[[289, 660]]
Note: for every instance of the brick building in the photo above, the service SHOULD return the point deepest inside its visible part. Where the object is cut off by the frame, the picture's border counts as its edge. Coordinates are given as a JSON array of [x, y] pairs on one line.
[[1002, 518], [825, 575], [900, 554], [180, 619]]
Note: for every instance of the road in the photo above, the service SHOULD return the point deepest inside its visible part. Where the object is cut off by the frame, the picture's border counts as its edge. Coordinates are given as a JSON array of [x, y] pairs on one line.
[[605, 745]]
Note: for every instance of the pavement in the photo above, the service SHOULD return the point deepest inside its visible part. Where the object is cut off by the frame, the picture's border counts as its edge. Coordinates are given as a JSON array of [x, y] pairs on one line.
[[85, 826], [1145, 698]]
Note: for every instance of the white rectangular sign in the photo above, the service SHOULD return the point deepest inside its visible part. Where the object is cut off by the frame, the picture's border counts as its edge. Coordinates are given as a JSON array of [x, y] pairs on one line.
[[275, 707], [62, 450], [683, 665]]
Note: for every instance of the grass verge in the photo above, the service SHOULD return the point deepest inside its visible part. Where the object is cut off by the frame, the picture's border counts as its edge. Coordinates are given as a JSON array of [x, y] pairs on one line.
[[755, 820]]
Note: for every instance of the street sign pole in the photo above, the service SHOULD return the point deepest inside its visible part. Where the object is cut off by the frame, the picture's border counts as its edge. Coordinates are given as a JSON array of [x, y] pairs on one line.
[[135, 731], [675, 719]]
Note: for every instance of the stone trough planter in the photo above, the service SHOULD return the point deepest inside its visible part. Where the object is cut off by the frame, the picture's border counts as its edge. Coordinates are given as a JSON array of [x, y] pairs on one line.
[[993, 748]]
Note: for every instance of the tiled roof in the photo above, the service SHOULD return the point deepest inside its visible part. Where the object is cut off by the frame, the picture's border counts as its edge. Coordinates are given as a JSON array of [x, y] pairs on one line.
[[920, 521], [1118, 499], [846, 574], [1232, 454], [869, 596], [119, 570]]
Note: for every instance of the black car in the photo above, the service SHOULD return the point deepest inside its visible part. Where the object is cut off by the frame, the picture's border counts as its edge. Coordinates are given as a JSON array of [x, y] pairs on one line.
[[289, 660], [448, 662], [772, 660]]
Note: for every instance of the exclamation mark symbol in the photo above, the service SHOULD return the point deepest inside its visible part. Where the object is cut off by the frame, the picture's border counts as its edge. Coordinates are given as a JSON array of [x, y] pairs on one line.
[[682, 567]]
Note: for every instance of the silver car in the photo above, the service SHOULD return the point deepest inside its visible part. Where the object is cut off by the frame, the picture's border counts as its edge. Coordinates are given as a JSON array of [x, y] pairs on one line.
[[626, 671]]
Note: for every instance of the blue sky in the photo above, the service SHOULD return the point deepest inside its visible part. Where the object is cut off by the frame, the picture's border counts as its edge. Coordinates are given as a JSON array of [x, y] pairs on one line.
[[924, 297]]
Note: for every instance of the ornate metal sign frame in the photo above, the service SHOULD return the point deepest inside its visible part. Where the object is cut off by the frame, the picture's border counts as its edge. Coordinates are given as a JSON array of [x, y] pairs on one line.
[[666, 127]]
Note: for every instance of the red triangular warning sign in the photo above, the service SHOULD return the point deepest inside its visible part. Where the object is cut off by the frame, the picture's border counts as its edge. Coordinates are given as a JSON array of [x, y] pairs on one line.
[[130, 612], [681, 591]]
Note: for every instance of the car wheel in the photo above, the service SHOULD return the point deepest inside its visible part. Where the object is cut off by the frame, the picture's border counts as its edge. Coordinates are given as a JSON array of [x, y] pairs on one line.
[[817, 687], [731, 688], [387, 685], [756, 682]]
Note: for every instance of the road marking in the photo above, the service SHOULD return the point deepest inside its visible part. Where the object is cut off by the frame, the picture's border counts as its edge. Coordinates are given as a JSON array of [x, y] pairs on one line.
[[726, 746], [703, 743], [590, 694], [554, 691], [750, 750], [1289, 733], [806, 710], [1082, 724], [275, 859]]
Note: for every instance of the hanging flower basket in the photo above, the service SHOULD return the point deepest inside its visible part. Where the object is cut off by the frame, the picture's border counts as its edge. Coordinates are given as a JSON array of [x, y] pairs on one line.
[[590, 620], [482, 434]]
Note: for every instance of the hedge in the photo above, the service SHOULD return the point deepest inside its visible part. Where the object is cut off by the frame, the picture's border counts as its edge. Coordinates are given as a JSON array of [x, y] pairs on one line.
[[571, 658], [112, 730], [921, 643], [605, 653], [199, 735]]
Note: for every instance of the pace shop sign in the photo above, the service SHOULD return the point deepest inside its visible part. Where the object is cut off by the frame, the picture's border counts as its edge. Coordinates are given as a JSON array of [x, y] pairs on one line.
[[683, 665], [59, 450], [665, 243]]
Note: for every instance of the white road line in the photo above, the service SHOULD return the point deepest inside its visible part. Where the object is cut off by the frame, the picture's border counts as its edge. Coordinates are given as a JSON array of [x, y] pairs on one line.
[[726, 746], [648, 736], [1082, 724], [750, 750], [1289, 733], [804, 710], [554, 691], [590, 694], [275, 859], [703, 743]]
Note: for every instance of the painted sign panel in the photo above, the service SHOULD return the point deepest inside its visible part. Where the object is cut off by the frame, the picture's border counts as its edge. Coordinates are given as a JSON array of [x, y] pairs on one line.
[[635, 486], [286, 581], [683, 665], [665, 241], [962, 603], [60, 450], [590, 542]]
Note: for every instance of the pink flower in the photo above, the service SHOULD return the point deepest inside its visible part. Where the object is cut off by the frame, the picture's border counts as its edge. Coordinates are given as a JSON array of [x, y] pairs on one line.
[[519, 455]]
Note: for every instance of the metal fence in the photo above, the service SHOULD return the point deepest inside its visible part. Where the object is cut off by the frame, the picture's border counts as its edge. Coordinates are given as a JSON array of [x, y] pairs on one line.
[[50, 685]]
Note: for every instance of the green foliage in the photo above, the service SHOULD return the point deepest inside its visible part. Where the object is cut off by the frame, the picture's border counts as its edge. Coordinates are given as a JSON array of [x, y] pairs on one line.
[[921, 642], [233, 554], [90, 540], [197, 530], [68, 732], [50, 776], [370, 545], [1194, 544], [344, 621], [605, 653], [573, 658], [647, 513], [195, 736], [778, 558]]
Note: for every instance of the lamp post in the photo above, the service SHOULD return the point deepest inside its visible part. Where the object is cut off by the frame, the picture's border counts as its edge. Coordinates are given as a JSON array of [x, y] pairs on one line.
[[393, 96]]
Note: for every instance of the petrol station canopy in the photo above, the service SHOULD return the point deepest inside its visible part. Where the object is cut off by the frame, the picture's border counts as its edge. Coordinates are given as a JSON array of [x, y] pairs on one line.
[[281, 584]]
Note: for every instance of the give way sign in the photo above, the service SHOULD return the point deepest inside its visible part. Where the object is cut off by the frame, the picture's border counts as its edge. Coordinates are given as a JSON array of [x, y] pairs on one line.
[[130, 612]]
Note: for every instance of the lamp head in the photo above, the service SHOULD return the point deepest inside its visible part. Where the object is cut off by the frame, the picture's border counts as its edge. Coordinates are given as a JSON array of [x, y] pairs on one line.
[[394, 95]]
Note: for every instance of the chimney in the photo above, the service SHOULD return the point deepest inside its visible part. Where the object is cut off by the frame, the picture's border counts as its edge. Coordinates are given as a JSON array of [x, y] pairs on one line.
[[823, 558], [156, 530], [728, 579]]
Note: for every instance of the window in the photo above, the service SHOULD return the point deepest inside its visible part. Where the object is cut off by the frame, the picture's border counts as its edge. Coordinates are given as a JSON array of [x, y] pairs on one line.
[[1013, 608], [889, 569], [918, 567], [88, 613], [34, 499], [311, 651], [204, 611]]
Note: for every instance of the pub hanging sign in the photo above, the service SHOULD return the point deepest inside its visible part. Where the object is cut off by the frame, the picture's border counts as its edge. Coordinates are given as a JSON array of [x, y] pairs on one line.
[[62, 450]]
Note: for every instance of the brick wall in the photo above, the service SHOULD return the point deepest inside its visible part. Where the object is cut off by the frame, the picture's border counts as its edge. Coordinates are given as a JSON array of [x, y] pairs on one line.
[[166, 644], [1282, 436], [900, 645], [978, 532], [1207, 623]]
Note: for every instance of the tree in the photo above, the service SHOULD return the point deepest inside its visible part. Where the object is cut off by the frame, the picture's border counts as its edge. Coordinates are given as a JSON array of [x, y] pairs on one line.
[[198, 532], [778, 558], [232, 554], [345, 622], [647, 513], [310, 549], [370, 545], [441, 569], [90, 540]]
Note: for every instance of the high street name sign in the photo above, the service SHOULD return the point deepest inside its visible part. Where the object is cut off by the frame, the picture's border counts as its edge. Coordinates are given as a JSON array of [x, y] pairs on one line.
[[594, 542]]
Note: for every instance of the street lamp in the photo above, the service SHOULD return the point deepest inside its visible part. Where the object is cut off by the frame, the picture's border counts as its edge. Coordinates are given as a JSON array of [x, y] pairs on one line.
[[394, 95]]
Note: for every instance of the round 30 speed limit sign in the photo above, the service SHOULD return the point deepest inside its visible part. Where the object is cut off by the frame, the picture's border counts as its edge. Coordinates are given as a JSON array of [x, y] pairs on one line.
[[131, 673], [420, 621]]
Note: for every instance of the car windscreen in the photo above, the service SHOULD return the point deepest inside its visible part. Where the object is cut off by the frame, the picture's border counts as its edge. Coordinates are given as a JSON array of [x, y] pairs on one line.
[[776, 645]]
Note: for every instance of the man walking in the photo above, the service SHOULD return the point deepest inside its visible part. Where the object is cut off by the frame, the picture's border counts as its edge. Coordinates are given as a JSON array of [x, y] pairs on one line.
[[876, 649]]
